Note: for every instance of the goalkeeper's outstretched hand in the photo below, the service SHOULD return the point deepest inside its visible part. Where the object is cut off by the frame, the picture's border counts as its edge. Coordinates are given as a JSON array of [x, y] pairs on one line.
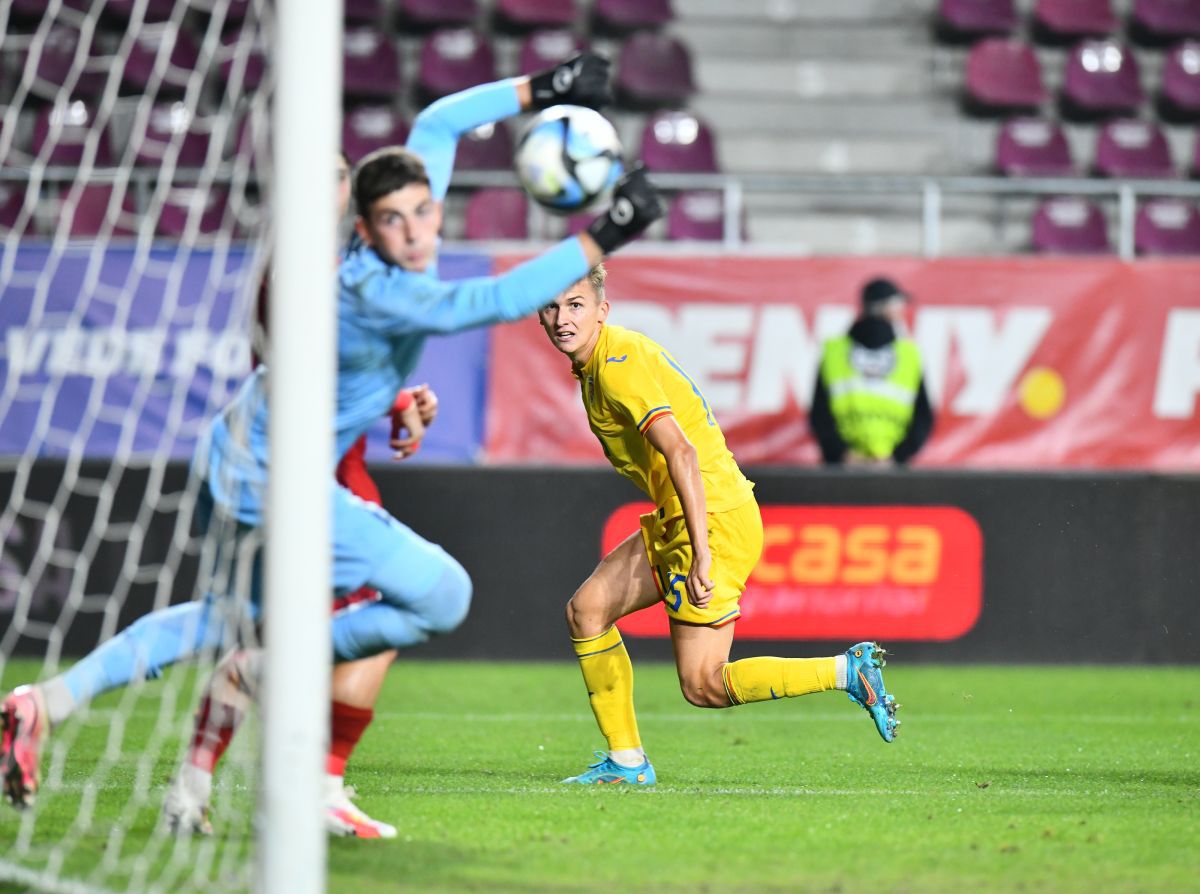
[[635, 205], [582, 80]]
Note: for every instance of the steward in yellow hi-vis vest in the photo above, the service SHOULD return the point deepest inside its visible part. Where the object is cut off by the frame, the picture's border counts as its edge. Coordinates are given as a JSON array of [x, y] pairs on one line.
[[692, 555], [870, 405]]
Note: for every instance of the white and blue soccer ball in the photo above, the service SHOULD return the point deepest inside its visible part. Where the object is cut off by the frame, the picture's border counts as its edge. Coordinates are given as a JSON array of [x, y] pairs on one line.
[[568, 158]]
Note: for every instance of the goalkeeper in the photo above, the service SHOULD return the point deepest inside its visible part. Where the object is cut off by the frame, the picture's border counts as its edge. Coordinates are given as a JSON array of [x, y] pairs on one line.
[[389, 301]]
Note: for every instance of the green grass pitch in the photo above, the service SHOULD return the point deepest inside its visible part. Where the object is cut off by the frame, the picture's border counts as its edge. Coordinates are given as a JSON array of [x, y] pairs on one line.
[[1014, 779]]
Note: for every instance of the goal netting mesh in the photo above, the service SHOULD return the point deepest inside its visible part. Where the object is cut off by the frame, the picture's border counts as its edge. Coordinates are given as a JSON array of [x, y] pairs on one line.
[[132, 168]]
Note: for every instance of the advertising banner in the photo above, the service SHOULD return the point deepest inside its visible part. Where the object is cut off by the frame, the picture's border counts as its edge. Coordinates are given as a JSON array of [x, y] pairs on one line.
[[118, 352], [1028, 362], [829, 572]]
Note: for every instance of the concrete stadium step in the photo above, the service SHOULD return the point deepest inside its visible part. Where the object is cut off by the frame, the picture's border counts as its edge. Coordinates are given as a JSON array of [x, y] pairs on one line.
[[760, 39], [883, 234], [768, 152], [916, 114], [805, 10], [814, 78]]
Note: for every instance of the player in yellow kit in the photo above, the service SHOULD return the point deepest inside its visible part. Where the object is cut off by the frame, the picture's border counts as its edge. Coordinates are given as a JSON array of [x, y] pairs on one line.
[[693, 554]]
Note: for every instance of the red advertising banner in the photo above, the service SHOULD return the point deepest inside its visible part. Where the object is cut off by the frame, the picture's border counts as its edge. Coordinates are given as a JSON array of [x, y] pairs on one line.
[[837, 572], [1029, 362]]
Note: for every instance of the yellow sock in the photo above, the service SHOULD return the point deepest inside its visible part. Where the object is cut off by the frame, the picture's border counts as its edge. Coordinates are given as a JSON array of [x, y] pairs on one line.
[[608, 674], [762, 679]]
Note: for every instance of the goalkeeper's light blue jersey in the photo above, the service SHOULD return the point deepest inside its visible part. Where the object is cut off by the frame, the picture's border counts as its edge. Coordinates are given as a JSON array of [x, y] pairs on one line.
[[384, 316]]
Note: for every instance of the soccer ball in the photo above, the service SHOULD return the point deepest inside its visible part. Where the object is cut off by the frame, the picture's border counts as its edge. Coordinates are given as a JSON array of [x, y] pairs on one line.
[[568, 157]]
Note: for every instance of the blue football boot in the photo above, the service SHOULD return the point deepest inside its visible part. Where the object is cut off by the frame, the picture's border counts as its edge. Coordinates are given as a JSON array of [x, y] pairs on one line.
[[607, 772], [864, 686]]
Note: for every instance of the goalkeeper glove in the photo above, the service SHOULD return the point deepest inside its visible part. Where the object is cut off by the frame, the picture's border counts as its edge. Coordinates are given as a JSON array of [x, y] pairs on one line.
[[580, 81], [635, 205]]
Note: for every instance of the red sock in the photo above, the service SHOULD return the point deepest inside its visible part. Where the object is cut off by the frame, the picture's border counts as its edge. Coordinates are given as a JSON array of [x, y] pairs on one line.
[[215, 726], [346, 726]]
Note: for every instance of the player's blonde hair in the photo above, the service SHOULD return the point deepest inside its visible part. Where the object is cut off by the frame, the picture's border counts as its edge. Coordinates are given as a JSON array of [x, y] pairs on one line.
[[596, 276]]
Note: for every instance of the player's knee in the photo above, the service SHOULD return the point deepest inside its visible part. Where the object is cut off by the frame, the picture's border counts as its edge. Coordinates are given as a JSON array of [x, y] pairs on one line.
[[586, 615], [454, 599]]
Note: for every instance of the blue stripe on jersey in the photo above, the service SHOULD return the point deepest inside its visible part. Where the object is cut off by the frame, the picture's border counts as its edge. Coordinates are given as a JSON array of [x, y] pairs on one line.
[[675, 366]]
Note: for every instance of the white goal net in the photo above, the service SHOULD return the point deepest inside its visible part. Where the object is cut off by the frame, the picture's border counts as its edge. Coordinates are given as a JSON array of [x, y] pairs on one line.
[[133, 164]]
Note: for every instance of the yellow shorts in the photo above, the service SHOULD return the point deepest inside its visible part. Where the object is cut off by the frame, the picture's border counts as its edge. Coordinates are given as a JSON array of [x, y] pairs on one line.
[[735, 539]]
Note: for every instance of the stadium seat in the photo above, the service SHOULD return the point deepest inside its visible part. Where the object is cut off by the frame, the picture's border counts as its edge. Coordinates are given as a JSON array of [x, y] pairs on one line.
[[255, 61], [370, 65], [1070, 225], [1167, 227], [12, 197], [697, 214], [424, 15], [654, 71], [1178, 98], [965, 21], [76, 118], [1195, 168], [94, 208], [155, 11], [487, 148], [453, 59], [167, 122], [1101, 80], [499, 213], [1063, 22], [367, 128], [56, 60], [1003, 76], [621, 17], [184, 56], [1131, 147], [362, 12], [183, 201], [518, 16], [542, 49], [678, 141], [1162, 22], [1033, 147]]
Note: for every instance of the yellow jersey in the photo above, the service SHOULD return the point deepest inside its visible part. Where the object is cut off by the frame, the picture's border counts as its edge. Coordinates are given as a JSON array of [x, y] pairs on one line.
[[628, 384]]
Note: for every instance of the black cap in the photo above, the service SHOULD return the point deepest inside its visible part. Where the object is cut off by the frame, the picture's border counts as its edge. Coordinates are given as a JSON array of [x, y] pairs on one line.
[[879, 290]]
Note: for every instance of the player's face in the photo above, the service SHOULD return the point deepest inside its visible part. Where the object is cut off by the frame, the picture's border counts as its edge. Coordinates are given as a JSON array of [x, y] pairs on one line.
[[343, 187], [573, 320], [403, 227]]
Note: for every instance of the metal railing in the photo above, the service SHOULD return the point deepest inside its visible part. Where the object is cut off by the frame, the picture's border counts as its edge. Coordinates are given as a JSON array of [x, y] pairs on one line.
[[931, 190]]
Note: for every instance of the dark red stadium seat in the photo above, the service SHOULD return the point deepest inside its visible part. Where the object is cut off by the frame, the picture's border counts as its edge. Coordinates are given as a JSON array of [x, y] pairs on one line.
[[183, 202], [618, 17], [1061, 22], [542, 49], [1167, 227], [678, 141], [487, 148], [517, 16], [370, 65], [960, 21], [94, 207], [1130, 147], [1101, 80], [1179, 90], [499, 213], [363, 12], [1070, 225], [1003, 76], [154, 11], [169, 122], [422, 15], [153, 40], [367, 128], [454, 59], [697, 214], [56, 60], [1162, 22], [12, 197], [654, 71], [234, 46], [1033, 147], [74, 120]]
